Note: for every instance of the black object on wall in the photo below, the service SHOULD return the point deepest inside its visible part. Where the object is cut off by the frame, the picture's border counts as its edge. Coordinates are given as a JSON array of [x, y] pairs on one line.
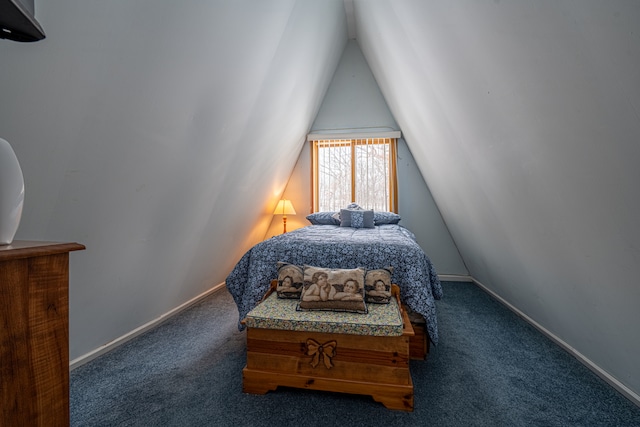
[[18, 21]]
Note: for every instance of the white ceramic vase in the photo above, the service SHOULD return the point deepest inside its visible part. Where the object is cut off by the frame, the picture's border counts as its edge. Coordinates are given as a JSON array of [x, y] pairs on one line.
[[11, 193]]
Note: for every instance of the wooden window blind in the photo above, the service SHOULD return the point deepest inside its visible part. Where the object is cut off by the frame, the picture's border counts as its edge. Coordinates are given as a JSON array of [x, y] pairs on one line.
[[354, 170]]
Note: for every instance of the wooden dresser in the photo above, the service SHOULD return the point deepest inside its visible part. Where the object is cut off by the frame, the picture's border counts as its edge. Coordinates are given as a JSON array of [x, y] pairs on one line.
[[34, 332]]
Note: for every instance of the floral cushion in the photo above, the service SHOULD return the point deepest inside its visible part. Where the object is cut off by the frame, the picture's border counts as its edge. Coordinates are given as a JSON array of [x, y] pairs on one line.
[[379, 217], [377, 284], [333, 290], [356, 218], [281, 314], [351, 207]]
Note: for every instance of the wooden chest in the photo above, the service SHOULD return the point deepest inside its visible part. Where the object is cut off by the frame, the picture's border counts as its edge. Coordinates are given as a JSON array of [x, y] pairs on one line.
[[322, 357]]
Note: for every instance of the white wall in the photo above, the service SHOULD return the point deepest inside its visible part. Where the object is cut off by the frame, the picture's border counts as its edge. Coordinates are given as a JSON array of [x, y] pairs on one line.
[[354, 103], [160, 134], [421, 215], [523, 118]]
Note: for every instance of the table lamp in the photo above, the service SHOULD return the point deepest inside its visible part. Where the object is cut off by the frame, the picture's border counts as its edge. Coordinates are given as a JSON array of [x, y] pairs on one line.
[[284, 208]]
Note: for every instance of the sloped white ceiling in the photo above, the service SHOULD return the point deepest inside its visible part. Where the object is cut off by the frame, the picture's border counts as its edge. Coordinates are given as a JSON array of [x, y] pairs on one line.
[[160, 134], [524, 120], [353, 104]]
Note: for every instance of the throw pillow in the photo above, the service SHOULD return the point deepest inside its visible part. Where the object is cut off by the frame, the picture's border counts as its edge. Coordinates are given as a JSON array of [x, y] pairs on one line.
[[333, 290], [381, 218], [377, 285], [323, 218], [356, 218], [290, 280], [350, 206]]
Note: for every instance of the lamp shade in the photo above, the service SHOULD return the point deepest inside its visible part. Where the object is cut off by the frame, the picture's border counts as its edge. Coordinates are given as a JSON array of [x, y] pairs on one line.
[[284, 207]]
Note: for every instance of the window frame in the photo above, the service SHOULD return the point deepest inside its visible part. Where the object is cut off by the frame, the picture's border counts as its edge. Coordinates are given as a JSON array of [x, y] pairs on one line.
[[353, 142]]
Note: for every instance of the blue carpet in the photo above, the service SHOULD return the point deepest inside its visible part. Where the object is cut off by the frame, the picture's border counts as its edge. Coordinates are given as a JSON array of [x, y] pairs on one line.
[[490, 369]]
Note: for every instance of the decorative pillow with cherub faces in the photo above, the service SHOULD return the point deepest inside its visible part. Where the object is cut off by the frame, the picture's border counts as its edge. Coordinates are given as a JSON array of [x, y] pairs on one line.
[[290, 280], [333, 290], [377, 285]]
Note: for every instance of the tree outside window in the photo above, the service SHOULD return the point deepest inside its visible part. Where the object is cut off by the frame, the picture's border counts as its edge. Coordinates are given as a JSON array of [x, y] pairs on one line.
[[354, 170]]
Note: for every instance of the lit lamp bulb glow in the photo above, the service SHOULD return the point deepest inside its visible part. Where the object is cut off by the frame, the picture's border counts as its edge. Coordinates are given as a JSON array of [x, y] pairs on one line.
[[284, 208]]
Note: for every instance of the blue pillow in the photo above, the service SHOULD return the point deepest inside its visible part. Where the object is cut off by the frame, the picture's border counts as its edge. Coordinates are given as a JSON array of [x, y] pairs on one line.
[[323, 218], [351, 207], [356, 218], [380, 218]]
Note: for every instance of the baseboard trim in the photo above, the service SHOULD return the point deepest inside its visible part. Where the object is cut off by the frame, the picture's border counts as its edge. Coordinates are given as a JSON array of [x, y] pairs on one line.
[[620, 387], [77, 362], [454, 278], [612, 381]]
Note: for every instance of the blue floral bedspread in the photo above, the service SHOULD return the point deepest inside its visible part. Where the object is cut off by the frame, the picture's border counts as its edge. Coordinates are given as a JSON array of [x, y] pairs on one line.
[[333, 246]]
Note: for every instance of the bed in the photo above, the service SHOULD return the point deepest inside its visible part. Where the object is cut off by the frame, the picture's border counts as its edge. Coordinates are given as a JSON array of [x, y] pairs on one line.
[[334, 246]]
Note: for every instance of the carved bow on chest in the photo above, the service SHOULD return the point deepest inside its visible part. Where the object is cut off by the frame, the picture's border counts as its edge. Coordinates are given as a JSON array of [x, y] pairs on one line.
[[319, 351]]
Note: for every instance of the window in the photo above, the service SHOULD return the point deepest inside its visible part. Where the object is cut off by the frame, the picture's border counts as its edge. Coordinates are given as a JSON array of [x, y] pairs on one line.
[[354, 170]]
